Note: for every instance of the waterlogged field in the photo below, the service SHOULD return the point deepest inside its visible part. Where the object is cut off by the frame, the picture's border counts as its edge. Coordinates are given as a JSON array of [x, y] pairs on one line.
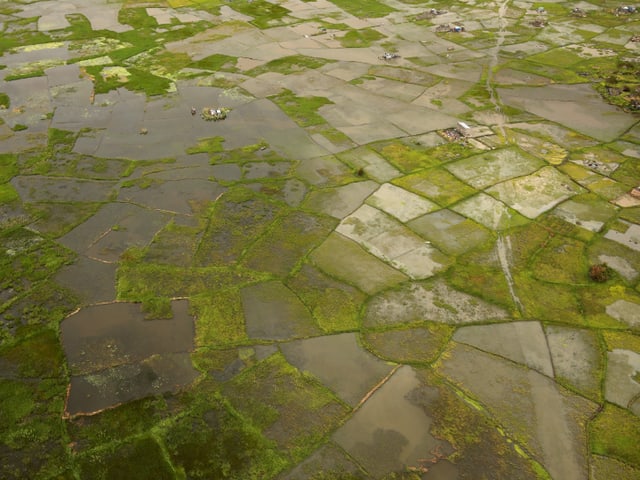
[[319, 240]]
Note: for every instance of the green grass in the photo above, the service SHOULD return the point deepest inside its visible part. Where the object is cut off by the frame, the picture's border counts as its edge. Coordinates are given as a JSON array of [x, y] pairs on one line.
[[288, 65], [551, 9], [620, 84], [628, 173], [558, 57], [631, 214], [5, 102], [553, 70], [437, 184], [17, 402], [548, 301], [80, 26], [420, 345], [561, 261], [597, 297], [303, 110], [132, 419], [621, 340], [408, 158], [275, 395], [138, 281], [101, 83], [615, 432], [139, 80], [265, 14], [360, 38], [143, 81], [141, 41], [28, 71], [167, 63], [483, 280], [24, 32], [8, 167], [236, 220], [216, 62], [38, 355], [287, 242], [31, 428], [219, 318], [28, 256], [39, 161], [140, 458], [137, 18], [364, 8], [207, 145], [214, 440], [257, 152], [8, 194], [335, 305]]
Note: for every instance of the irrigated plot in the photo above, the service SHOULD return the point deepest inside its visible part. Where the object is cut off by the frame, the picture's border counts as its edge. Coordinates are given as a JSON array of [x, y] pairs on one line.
[[391, 430], [273, 312], [433, 301], [371, 163], [400, 203], [340, 201], [290, 408], [287, 242], [576, 358], [450, 232], [520, 342], [590, 213], [548, 420], [621, 386], [36, 188], [392, 242], [436, 184], [115, 228], [536, 193], [340, 364], [343, 258], [627, 234], [495, 166], [115, 355], [489, 212]]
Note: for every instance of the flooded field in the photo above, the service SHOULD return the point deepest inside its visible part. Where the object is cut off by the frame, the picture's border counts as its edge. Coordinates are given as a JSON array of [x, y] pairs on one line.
[[311, 240]]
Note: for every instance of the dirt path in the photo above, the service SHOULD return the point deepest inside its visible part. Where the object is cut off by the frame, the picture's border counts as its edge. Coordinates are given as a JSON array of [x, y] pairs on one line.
[[504, 249], [494, 54]]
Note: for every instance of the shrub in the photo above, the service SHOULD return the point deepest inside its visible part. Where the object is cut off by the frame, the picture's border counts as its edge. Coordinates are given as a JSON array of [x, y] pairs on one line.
[[599, 272]]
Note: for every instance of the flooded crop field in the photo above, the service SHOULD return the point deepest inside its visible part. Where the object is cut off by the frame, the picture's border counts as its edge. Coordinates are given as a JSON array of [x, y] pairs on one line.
[[319, 240]]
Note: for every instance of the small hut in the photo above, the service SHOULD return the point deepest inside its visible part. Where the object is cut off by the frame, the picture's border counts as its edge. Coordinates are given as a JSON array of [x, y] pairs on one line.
[[215, 113]]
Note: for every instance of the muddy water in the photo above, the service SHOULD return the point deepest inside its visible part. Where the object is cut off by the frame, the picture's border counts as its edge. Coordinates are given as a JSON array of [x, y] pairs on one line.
[[102, 336], [391, 433], [340, 363], [578, 107], [94, 392], [117, 355]]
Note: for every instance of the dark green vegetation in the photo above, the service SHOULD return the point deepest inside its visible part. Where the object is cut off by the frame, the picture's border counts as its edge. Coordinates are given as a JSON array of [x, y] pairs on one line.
[[252, 414], [622, 86], [288, 65]]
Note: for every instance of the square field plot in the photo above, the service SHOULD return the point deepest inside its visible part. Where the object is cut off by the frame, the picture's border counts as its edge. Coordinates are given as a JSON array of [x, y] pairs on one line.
[[535, 194], [486, 169]]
